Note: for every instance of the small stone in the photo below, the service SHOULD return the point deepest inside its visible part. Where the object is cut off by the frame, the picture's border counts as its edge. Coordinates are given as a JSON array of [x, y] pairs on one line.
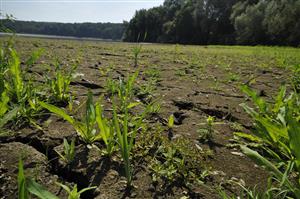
[[113, 174], [133, 194]]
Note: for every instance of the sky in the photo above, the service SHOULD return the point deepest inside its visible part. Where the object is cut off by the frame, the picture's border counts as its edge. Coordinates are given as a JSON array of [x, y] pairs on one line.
[[75, 10]]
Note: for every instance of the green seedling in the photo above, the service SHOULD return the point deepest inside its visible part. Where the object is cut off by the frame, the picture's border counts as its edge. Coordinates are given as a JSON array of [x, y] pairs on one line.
[[170, 126], [4, 99], [74, 193], [206, 133], [126, 137], [171, 121], [22, 94], [22, 189], [277, 135], [111, 87], [296, 78], [27, 186], [145, 91], [69, 151], [85, 127], [233, 77], [136, 51], [15, 87], [60, 84], [106, 130], [153, 108], [122, 123], [177, 161]]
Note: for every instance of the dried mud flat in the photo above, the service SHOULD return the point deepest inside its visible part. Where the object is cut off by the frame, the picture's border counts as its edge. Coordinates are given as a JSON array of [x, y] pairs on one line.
[[194, 82]]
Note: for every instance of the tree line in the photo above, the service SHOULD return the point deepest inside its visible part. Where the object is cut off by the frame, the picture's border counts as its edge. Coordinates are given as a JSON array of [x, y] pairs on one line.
[[112, 31], [248, 22]]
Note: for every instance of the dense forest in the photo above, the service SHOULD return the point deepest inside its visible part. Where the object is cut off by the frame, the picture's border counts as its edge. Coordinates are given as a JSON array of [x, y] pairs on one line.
[[96, 30], [251, 22]]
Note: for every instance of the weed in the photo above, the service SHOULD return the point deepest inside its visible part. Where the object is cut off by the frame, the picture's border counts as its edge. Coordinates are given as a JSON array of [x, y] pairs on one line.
[[180, 73], [153, 108], [236, 126], [145, 91], [177, 161], [152, 73], [233, 77]]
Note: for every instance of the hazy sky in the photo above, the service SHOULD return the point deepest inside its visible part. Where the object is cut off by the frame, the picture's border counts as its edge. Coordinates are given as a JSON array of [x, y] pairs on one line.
[[75, 10]]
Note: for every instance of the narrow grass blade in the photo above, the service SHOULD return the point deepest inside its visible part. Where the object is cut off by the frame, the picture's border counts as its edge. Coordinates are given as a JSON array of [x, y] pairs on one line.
[[22, 192], [9, 116], [38, 190], [60, 112]]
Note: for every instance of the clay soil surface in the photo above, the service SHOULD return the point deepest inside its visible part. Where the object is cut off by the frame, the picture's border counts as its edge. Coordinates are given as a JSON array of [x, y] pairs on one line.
[[191, 82]]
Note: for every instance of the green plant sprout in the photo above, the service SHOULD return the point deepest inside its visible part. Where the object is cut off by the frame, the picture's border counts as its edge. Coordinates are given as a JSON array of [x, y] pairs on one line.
[[27, 186], [86, 126], [60, 84], [69, 151], [206, 133], [74, 193]]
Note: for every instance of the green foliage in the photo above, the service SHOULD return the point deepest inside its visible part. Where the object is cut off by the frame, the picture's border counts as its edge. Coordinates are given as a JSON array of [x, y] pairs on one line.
[[22, 190], [145, 91], [16, 88], [232, 21], [18, 95], [112, 31], [296, 78], [206, 133], [121, 122], [285, 185], [106, 130], [153, 108], [249, 22], [233, 77], [277, 137], [111, 87], [85, 127], [38, 190], [136, 51], [270, 123], [74, 193], [28, 185], [60, 83], [171, 121], [4, 103], [183, 22], [267, 22], [69, 151], [177, 161], [10, 19]]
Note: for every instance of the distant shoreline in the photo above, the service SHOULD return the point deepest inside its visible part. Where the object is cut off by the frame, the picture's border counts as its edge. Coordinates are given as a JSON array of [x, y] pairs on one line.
[[57, 37]]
